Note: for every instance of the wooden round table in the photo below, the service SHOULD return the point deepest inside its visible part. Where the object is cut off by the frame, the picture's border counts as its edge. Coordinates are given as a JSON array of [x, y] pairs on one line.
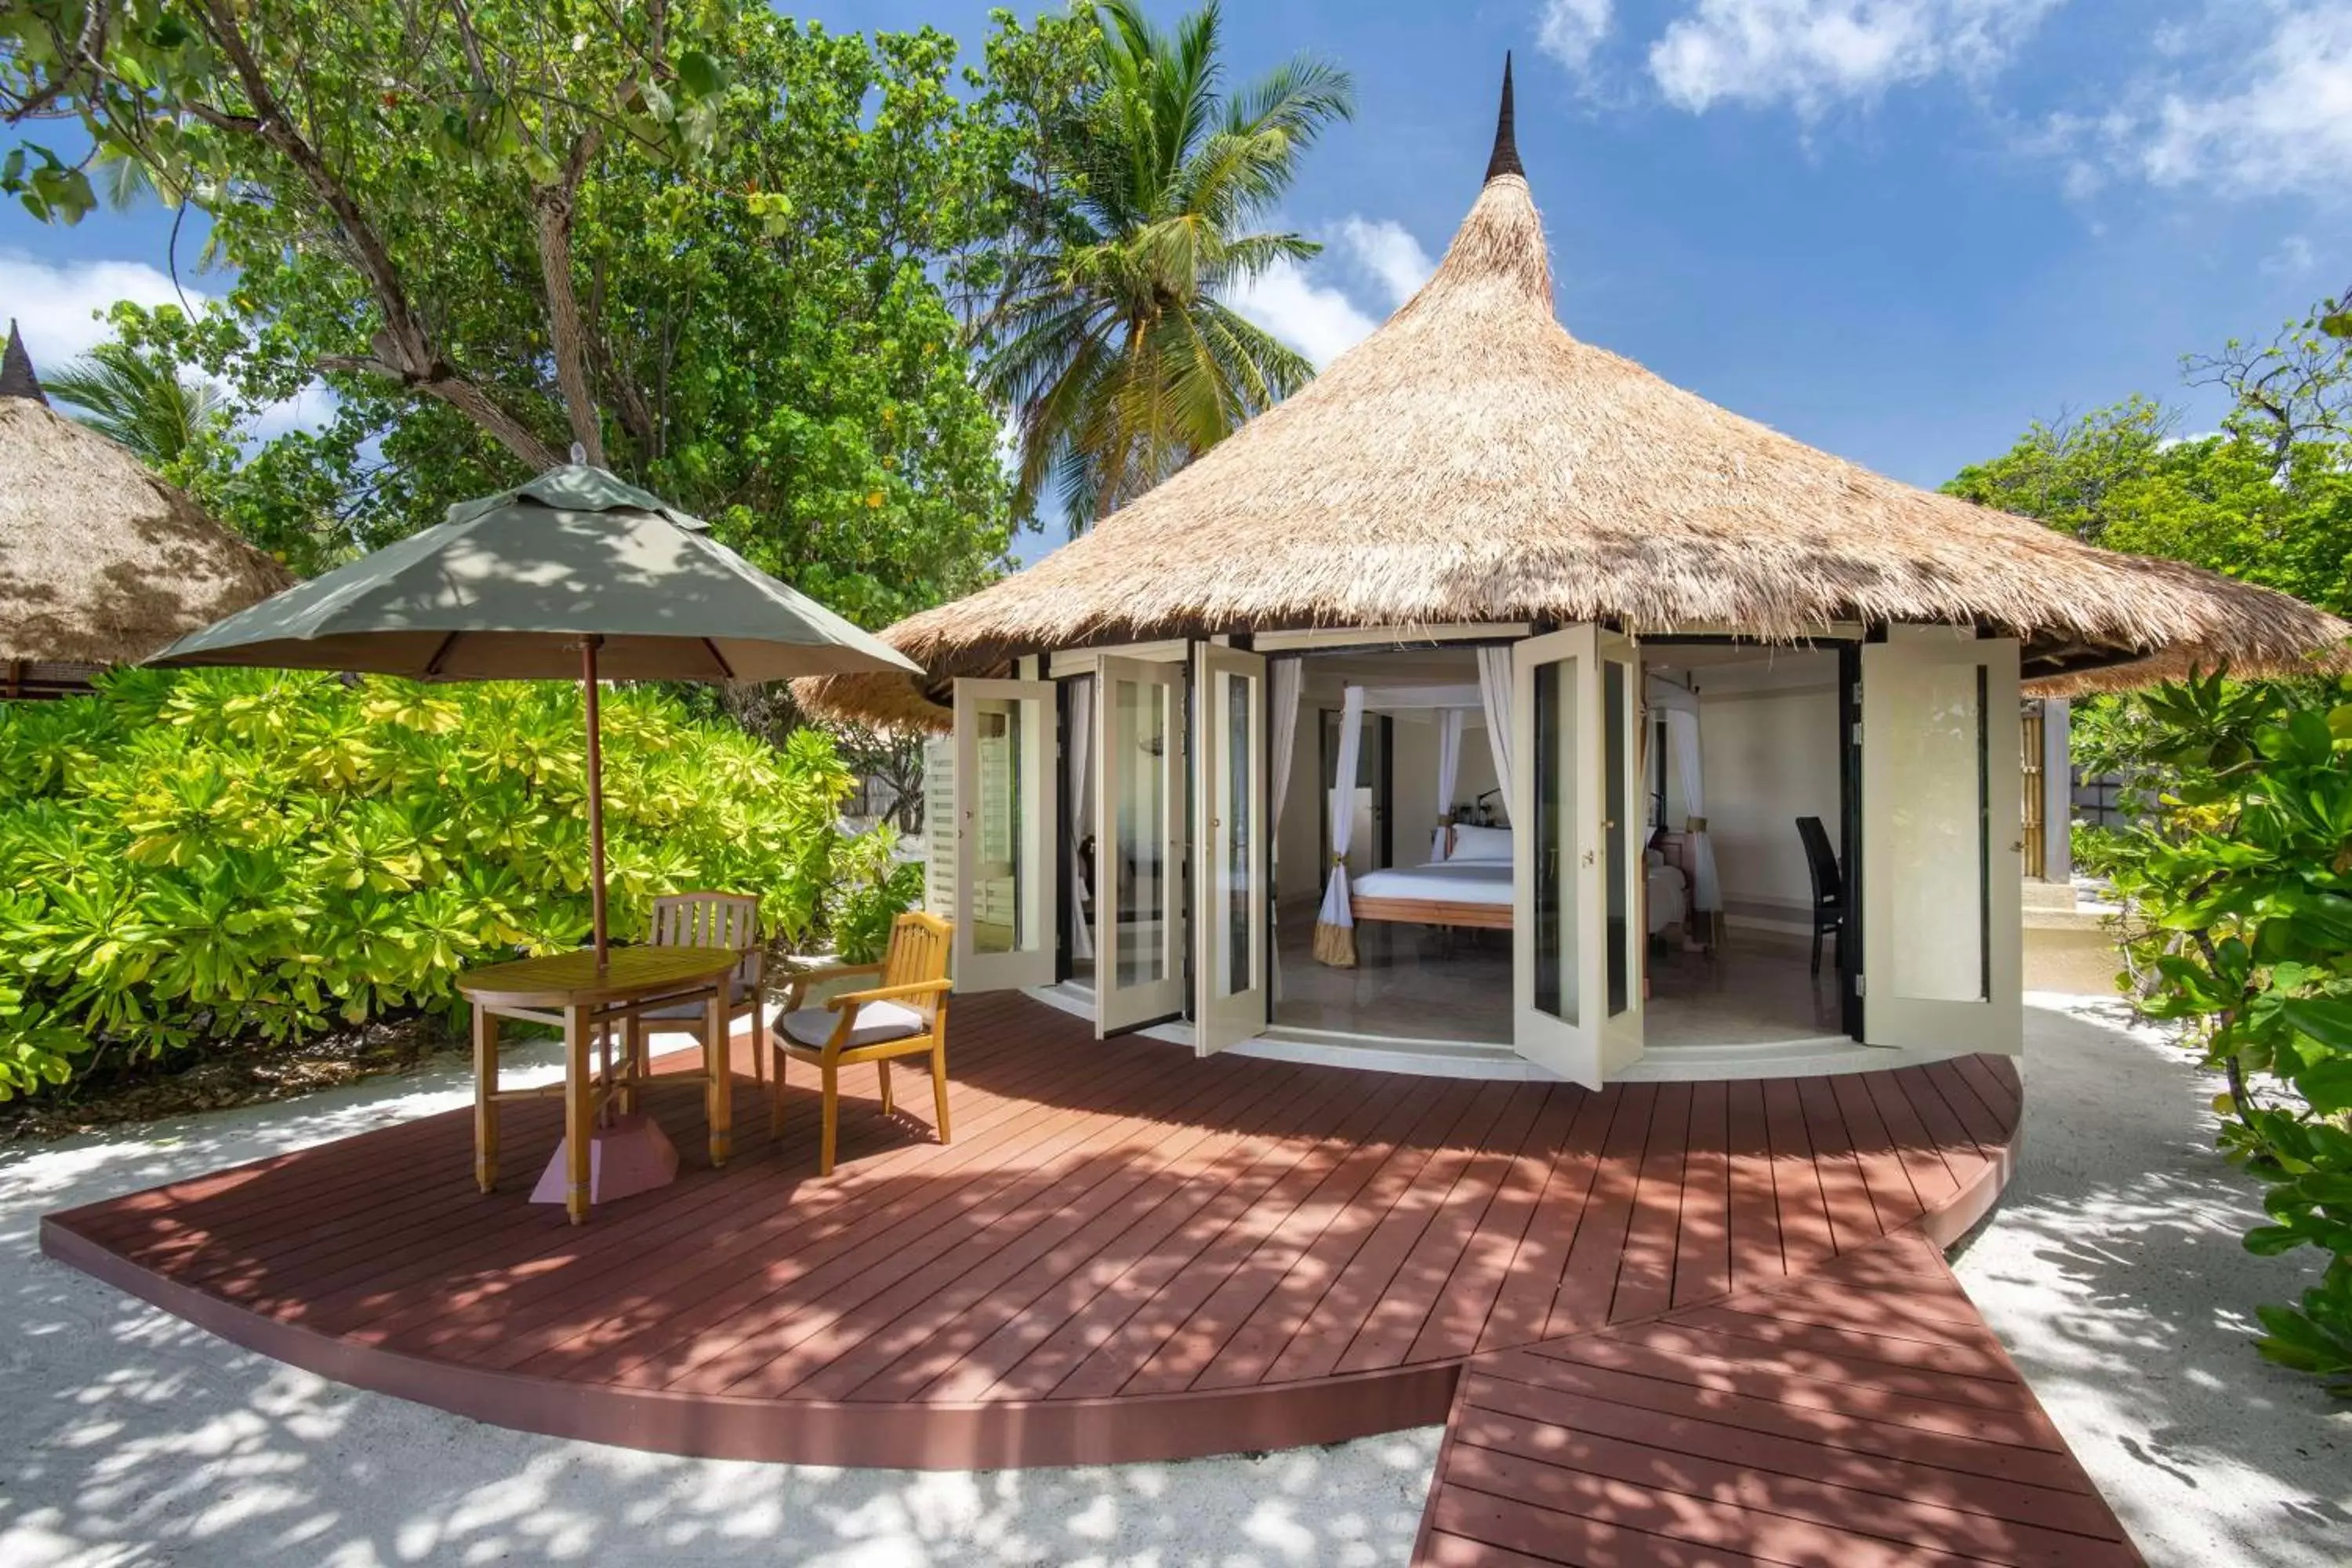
[[574, 993]]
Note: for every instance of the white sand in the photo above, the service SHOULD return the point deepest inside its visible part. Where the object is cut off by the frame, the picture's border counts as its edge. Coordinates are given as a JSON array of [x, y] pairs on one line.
[[126, 1436]]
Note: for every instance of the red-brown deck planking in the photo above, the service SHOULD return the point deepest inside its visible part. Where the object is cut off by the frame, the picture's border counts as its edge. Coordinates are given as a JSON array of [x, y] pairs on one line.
[[1861, 1414], [1129, 1253]]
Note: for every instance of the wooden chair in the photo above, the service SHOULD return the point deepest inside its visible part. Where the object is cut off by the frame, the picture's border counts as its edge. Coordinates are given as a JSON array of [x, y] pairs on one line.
[[905, 1015], [707, 920]]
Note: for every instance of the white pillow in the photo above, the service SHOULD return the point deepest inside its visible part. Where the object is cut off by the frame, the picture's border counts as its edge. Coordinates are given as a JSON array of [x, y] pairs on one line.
[[1482, 843]]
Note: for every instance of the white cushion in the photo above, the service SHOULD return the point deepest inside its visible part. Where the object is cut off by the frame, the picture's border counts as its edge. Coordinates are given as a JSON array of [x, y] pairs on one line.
[[1481, 843], [876, 1022]]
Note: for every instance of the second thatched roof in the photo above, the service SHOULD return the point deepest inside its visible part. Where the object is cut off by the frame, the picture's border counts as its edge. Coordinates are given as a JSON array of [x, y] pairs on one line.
[[1473, 462], [101, 561]]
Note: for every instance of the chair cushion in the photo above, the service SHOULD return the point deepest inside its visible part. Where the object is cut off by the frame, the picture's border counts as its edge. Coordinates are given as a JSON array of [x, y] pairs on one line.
[[876, 1022], [737, 996]]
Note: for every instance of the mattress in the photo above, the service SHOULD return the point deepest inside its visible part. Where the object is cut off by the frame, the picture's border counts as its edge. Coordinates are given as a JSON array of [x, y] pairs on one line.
[[1446, 881]]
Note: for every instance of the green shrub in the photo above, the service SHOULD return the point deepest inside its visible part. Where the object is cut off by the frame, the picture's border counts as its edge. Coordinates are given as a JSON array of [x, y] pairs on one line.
[[2240, 893], [210, 856]]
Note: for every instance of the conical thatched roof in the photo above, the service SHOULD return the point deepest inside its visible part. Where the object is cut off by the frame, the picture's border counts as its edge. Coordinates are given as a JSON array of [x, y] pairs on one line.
[[1471, 461], [100, 562]]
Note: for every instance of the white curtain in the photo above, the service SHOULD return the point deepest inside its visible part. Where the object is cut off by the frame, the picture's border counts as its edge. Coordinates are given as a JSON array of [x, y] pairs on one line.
[[1449, 768], [1334, 926], [1079, 790], [1495, 696], [1283, 680], [1682, 740]]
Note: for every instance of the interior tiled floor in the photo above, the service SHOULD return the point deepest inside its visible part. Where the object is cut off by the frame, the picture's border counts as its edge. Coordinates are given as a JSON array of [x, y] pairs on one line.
[[1408, 981], [1415, 982], [1755, 988]]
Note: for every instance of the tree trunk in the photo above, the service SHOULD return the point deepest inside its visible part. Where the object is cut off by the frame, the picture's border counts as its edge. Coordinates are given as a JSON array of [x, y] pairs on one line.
[[552, 211]]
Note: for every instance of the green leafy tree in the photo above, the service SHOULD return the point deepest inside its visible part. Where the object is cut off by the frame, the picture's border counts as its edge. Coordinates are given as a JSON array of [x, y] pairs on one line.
[[187, 859], [1108, 337], [706, 244], [2236, 876], [144, 401], [2238, 893], [2268, 499]]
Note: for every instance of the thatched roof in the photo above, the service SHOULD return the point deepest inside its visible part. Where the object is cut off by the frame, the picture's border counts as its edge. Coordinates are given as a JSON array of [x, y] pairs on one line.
[[100, 562], [1471, 461]]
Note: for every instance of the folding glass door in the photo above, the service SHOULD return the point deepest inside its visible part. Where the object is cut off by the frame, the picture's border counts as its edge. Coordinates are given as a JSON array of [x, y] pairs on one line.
[[1005, 815], [1139, 843], [1232, 869], [1575, 792], [1943, 847]]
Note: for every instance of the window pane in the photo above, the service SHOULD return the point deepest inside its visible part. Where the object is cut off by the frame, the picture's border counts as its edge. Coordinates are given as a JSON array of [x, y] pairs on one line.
[[998, 905], [1140, 729], [1553, 843], [1938, 864], [1239, 968], [1614, 876]]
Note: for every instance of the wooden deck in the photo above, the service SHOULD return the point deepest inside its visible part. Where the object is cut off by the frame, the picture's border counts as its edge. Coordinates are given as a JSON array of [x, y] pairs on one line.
[[1126, 1254]]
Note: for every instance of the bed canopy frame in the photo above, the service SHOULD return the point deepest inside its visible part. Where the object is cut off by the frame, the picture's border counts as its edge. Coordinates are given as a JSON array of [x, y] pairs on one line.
[[1465, 899]]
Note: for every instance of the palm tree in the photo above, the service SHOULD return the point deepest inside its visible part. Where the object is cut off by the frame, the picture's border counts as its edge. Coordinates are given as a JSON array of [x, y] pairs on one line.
[[140, 401], [1110, 339]]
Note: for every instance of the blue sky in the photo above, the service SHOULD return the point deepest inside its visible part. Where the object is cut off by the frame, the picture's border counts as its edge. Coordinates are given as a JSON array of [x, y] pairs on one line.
[[1898, 230]]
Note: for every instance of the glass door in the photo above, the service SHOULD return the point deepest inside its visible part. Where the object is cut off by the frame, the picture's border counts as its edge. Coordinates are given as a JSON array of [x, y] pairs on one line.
[[1576, 936], [1231, 874], [1005, 815], [1139, 847], [1943, 849]]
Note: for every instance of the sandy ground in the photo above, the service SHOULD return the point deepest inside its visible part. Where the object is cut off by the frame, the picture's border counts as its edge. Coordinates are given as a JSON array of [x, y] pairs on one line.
[[128, 1436]]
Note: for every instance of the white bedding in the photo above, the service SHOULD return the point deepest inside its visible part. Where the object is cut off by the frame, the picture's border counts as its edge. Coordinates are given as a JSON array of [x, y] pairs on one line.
[[1451, 881]]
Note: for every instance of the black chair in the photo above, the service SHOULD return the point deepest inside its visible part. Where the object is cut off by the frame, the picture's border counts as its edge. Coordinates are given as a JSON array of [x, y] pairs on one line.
[[1828, 885]]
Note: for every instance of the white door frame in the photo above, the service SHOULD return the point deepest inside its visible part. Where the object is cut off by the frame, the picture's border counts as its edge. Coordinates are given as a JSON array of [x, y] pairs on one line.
[[1031, 962], [1622, 1032], [1226, 1009], [1584, 1041], [1126, 1006], [1937, 842]]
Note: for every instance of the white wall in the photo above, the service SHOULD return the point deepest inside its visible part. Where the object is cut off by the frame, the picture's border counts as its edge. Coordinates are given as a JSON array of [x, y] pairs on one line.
[[1768, 748]]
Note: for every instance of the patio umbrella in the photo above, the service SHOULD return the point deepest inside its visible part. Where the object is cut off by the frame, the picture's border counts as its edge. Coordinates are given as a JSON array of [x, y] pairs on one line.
[[576, 575]]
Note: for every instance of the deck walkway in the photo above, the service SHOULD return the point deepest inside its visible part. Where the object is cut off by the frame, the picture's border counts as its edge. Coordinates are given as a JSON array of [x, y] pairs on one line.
[[1858, 1416], [1126, 1254]]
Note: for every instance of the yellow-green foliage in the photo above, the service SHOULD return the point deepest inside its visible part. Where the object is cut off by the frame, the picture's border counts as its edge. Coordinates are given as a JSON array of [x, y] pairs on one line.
[[208, 856]]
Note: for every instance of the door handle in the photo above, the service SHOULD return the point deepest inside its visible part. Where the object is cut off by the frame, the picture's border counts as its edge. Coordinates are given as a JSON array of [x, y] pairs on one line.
[[1588, 856]]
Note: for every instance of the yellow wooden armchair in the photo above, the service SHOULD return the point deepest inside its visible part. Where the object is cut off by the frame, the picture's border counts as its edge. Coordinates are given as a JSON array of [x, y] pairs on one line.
[[906, 1015]]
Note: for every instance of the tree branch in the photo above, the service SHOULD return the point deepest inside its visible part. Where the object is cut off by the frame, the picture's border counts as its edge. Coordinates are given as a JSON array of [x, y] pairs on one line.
[[404, 349]]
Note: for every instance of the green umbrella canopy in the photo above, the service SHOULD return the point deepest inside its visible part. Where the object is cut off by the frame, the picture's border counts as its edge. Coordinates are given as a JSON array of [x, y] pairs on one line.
[[509, 585]]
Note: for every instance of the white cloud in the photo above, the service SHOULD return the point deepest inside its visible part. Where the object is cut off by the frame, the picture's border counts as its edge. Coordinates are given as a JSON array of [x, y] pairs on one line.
[[1387, 251], [2293, 258], [62, 309], [1309, 309], [1316, 319], [1570, 31], [1813, 54], [2279, 121]]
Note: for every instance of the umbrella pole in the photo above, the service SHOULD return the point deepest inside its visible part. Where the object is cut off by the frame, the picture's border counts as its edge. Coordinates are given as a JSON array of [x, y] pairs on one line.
[[595, 794]]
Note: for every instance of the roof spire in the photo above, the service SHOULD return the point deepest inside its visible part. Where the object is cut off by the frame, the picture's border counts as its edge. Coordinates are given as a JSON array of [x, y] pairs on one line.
[[16, 377], [1505, 160]]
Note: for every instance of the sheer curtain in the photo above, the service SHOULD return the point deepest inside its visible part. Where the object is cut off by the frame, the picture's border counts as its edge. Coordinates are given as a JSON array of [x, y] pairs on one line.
[[1283, 679], [1682, 739], [1078, 789], [1449, 768], [1334, 926], [1495, 696]]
